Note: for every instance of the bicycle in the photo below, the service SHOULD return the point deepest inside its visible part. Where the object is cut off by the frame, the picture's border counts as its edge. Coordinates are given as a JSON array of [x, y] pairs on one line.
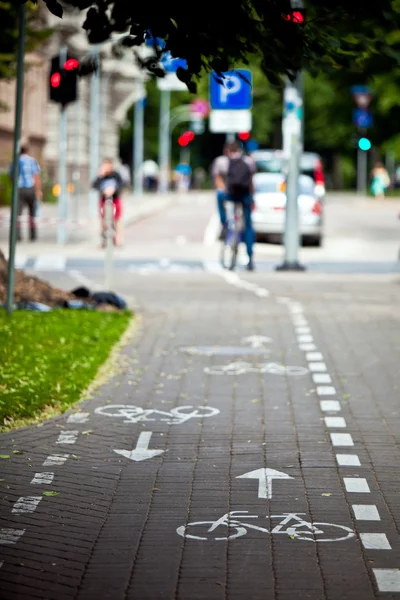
[[241, 368], [291, 525], [136, 414], [233, 235]]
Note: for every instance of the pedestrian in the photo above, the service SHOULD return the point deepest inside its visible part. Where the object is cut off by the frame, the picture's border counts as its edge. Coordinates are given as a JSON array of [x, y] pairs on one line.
[[29, 190], [233, 173], [150, 172], [218, 169], [110, 184], [380, 181], [125, 174], [183, 176]]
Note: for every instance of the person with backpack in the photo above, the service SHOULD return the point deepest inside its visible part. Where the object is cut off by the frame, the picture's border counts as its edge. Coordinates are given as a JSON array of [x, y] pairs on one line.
[[233, 175]]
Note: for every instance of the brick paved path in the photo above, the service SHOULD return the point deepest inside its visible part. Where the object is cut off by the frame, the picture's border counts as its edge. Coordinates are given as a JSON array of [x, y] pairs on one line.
[[119, 527]]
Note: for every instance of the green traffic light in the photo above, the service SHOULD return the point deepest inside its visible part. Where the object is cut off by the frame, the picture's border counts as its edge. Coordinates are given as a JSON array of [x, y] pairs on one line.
[[364, 144]]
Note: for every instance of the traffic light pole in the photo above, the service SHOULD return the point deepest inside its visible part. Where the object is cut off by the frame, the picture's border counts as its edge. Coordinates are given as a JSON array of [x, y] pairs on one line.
[[94, 160], [164, 143], [62, 167], [16, 151], [362, 168], [138, 146]]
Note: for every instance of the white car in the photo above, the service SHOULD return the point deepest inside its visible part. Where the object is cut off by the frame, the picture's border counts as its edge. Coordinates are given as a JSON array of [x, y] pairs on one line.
[[270, 207]]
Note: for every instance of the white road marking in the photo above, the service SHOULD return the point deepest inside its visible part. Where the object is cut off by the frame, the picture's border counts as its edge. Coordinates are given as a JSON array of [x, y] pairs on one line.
[[50, 262], [305, 339], [326, 390], [307, 347], [257, 341], [43, 478], [388, 580], [303, 330], [55, 459], [26, 504], [366, 512], [78, 417], [330, 405], [141, 452], [317, 367], [321, 378], [211, 231], [265, 478], [299, 321], [348, 460], [342, 439], [164, 262], [67, 437], [375, 541], [20, 261], [314, 356], [357, 485], [10, 536], [335, 422], [83, 280], [181, 240]]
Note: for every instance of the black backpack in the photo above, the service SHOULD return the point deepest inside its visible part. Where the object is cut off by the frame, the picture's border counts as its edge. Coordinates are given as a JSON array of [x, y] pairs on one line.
[[238, 180]]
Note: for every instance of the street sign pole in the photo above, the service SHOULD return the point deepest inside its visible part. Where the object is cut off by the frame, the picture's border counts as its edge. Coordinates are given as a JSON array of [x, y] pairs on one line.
[[94, 159], [362, 172], [138, 146], [62, 165], [19, 93], [164, 144]]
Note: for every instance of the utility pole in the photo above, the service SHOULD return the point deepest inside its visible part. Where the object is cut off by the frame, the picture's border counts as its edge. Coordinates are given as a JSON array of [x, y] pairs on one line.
[[138, 146], [62, 165], [164, 142], [19, 94], [94, 160]]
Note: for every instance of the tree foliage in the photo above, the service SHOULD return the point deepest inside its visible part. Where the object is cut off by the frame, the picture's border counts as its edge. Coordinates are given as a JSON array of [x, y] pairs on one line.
[[337, 34]]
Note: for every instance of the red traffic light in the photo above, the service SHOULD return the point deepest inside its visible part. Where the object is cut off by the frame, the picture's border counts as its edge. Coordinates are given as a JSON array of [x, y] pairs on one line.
[[55, 80], [71, 64], [244, 136], [297, 16], [186, 138]]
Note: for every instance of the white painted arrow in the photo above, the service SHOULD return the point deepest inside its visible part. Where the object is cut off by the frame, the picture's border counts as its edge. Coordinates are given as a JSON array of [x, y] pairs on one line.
[[257, 341], [141, 452], [265, 477]]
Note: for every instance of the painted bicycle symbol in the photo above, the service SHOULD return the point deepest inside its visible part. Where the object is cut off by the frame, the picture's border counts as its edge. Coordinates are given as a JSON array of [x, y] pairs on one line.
[[240, 368], [292, 524], [176, 416]]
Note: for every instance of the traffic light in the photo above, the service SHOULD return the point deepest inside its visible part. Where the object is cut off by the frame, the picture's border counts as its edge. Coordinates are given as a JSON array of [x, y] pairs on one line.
[[296, 16], [244, 136], [186, 138], [63, 80], [364, 144]]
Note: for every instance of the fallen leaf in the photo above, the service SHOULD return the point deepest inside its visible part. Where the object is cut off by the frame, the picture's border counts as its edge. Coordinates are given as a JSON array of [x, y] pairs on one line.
[[255, 401], [292, 537], [75, 456], [326, 495], [87, 432], [156, 489], [51, 493], [4, 456], [18, 452]]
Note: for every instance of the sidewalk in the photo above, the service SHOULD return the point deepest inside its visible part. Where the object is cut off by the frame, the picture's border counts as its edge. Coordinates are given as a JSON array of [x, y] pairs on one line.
[[247, 449], [83, 234]]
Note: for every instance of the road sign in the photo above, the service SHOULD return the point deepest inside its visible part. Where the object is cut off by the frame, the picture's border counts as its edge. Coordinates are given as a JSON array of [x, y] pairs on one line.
[[234, 93], [230, 121], [362, 95], [171, 83], [362, 118], [252, 145], [200, 107], [265, 477]]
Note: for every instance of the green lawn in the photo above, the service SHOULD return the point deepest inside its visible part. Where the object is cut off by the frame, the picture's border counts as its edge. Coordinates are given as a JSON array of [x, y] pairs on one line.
[[48, 359]]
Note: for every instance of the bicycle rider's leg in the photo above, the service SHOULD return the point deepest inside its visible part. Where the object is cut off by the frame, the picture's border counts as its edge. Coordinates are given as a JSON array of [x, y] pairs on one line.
[[248, 228], [119, 232], [102, 221]]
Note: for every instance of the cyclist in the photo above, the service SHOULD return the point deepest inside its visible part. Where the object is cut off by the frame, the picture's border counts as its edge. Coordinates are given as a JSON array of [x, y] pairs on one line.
[[109, 183], [233, 174]]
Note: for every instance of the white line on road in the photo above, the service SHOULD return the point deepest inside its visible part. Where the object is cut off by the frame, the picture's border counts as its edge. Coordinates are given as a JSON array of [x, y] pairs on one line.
[[26, 504], [317, 367], [321, 378], [211, 231], [366, 512], [348, 460], [55, 459], [67, 437], [181, 240], [10, 536], [43, 478], [307, 347], [330, 406], [310, 356], [303, 330], [83, 280], [78, 417], [50, 262], [357, 485], [342, 439], [305, 339], [326, 390], [375, 541], [335, 422], [388, 580]]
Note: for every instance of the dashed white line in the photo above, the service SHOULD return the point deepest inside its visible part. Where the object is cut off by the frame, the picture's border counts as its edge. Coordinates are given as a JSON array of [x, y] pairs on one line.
[[321, 378], [317, 367], [314, 356], [50, 262], [375, 541], [356, 484], [303, 330], [342, 439], [305, 339], [307, 347], [26, 504], [335, 422], [366, 512], [81, 417], [67, 437], [326, 390], [211, 232], [55, 459], [10, 536], [43, 478], [348, 460], [330, 405], [388, 580]]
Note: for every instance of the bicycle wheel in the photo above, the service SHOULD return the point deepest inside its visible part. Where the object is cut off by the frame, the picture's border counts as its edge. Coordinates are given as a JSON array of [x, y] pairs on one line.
[[329, 531], [204, 529]]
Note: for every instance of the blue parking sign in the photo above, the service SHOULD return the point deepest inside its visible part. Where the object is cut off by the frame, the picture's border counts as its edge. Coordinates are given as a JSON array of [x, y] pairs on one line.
[[235, 91]]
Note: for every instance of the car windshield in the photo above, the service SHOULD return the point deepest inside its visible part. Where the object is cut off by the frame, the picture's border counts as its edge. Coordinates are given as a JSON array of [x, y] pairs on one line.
[[276, 165], [272, 165], [267, 186], [273, 185]]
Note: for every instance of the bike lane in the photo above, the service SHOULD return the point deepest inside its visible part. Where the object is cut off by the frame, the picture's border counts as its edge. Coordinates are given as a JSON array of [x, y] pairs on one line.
[[171, 441]]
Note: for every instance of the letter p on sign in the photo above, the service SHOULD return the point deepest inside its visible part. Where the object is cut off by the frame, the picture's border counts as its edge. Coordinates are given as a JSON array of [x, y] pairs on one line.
[[233, 93]]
